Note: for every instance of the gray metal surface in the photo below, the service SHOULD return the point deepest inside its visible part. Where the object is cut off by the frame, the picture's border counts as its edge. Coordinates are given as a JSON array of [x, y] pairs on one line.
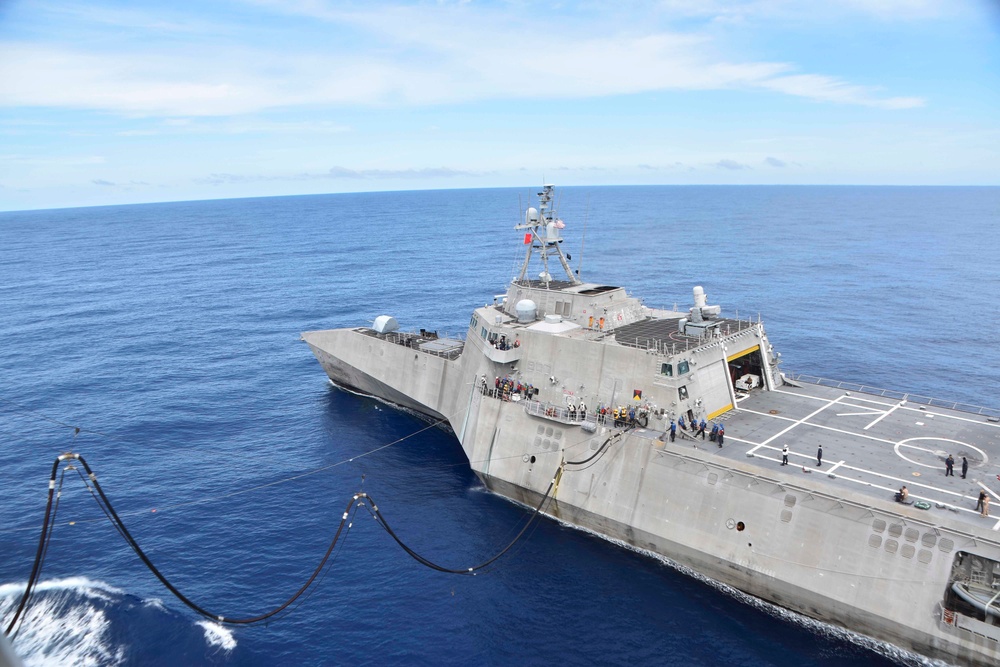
[[826, 540], [872, 445]]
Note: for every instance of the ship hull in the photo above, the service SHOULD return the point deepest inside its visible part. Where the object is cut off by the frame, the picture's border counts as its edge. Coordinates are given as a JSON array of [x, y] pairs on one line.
[[821, 537], [349, 377], [764, 585], [801, 547]]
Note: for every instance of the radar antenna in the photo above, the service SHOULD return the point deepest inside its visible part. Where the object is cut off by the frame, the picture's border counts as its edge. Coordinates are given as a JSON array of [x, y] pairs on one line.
[[542, 227]]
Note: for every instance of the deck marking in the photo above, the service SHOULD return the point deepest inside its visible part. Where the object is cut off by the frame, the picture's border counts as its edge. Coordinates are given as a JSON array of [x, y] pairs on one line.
[[947, 499], [811, 414], [988, 490], [956, 417], [822, 426], [905, 407], [853, 397], [835, 466], [890, 489], [866, 413], [869, 408], [858, 397], [873, 473], [884, 415], [903, 443]]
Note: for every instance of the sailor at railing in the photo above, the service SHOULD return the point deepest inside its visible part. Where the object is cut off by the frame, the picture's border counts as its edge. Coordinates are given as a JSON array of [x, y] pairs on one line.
[[507, 389], [502, 343]]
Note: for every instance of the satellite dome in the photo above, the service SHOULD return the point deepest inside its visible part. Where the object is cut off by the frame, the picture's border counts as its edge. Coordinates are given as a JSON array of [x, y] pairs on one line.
[[526, 310], [385, 324]]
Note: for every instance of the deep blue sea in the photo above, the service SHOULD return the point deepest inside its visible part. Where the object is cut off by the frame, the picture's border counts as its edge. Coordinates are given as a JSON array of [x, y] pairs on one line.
[[170, 334]]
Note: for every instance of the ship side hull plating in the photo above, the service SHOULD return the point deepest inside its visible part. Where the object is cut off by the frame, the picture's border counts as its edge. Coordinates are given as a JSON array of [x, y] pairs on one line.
[[766, 533], [819, 536]]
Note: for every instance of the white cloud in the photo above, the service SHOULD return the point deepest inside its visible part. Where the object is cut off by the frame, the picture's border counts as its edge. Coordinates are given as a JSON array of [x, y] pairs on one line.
[[830, 89], [415, 56], [731, 11], [54, 160], [238, 125], [338, 173], [731, 165]]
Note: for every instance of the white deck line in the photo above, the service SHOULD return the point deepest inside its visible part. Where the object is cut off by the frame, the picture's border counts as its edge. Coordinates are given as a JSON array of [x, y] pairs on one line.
[[886, 488], [883, 416], [982, 422], [844, 464], [850, 467], [834, 467], [908, 482], [988, 490], [811, 414], [828, 428], [854, 397]]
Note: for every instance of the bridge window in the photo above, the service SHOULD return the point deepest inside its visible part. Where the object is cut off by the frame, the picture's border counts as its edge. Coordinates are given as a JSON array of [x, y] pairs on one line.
[[682, 367], [667, 369], [682, 392], [484, 332]]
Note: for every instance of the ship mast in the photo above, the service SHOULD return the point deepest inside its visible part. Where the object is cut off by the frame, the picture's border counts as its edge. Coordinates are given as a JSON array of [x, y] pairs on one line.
[[541, 228]]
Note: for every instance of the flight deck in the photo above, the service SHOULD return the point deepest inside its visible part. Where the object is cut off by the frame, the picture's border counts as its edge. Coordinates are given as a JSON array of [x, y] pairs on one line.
[[870, 444]]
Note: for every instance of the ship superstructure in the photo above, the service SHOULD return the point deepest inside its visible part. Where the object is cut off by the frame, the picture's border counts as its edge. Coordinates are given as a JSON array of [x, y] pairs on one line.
[[562, 370]]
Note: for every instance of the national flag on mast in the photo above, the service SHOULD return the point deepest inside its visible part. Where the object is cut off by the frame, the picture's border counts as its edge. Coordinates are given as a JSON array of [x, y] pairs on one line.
[[527, 238]]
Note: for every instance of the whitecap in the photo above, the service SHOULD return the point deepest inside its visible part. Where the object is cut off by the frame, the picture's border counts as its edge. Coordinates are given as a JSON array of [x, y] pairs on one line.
[[80, 585], [156, 603], [218, 636], [60, 629]]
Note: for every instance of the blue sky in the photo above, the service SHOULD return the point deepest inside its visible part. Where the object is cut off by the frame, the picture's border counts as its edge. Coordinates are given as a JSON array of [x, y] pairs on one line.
[[119, 102]]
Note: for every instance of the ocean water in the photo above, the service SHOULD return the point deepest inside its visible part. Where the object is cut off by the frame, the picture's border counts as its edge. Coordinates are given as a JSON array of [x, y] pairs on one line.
[[169, 334]]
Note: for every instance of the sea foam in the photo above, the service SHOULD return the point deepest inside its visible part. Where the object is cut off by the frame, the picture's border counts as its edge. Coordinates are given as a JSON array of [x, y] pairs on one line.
[[218, 636], [64, 625]]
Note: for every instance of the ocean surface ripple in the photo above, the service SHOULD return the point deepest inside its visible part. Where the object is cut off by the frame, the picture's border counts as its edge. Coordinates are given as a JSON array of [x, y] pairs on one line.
[[169, 334]]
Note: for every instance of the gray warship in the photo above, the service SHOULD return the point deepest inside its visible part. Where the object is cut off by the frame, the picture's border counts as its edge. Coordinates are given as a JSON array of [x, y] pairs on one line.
[[576, 393]]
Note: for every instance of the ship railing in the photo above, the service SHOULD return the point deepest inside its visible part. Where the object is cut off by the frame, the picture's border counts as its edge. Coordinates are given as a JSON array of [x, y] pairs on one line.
[[966, 627], [413, 340], [670, 347], [898, 395], [559, 413]]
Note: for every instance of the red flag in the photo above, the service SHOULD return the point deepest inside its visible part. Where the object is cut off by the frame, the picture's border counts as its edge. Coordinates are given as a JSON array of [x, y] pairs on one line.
[[527, 239]]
